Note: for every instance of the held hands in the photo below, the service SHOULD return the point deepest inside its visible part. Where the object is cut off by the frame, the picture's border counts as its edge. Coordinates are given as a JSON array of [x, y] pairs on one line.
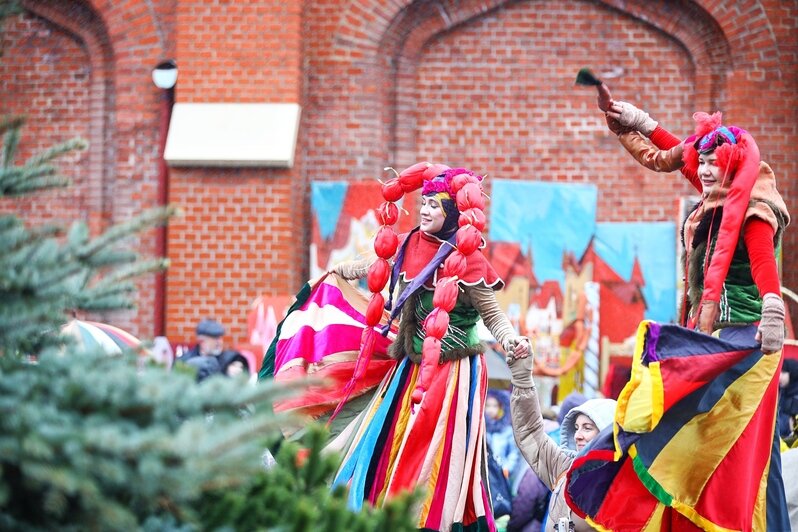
[[771, 328], [517, 347], [520, 361], [629, 116]]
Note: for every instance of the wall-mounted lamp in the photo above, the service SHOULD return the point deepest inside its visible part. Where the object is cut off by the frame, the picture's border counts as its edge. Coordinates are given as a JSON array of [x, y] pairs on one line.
[[164, 75]]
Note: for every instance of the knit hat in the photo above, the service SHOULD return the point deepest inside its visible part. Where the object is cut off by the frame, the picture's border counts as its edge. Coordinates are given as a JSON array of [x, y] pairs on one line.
[[600, 411]]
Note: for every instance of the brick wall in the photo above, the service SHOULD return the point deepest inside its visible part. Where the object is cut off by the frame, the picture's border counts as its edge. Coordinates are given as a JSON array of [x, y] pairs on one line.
[[490, 85], [241, 234], [498, 94], [487, 83], [83, 68], [56, 99]]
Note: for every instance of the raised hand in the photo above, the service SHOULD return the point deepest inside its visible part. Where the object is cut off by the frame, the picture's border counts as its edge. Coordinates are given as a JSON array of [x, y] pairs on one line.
[[627, 115]]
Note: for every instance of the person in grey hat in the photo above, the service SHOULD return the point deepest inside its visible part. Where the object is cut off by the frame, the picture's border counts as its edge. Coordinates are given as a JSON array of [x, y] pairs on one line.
[[209, 357]]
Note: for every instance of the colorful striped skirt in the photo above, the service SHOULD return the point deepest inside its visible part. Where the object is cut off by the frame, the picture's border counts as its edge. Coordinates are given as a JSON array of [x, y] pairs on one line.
[[693, 446], [437, 446]]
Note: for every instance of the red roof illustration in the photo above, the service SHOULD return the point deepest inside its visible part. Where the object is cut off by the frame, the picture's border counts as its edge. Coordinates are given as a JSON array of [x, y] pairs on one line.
[[509, 261]]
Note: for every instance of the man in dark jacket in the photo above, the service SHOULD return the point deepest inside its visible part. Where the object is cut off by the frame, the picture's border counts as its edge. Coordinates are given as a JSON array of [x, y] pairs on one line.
[[209, 356]]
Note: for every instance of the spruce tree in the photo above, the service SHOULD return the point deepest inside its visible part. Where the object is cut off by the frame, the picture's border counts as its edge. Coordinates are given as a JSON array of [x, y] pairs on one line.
[[96, 442]]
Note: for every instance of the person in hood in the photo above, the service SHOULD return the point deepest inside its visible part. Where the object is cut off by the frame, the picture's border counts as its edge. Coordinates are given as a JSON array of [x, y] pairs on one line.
[[499, 432], [548, 460]]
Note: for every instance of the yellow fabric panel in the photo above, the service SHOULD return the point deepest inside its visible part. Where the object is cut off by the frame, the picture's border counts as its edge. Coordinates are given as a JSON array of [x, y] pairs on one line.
[[696, 518], [400, 432], [708, 437], [760, 508], [654, 523], [638, 411]]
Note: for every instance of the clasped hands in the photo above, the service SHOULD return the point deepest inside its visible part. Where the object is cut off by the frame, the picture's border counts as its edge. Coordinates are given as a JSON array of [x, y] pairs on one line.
[[520, 360]]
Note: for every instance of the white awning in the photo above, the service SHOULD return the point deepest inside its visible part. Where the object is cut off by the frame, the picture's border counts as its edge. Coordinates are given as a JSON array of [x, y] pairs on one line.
[[233, 134]]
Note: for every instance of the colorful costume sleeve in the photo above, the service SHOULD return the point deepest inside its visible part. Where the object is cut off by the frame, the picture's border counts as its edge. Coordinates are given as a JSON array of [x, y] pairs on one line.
[[661, 156], [664, 139]]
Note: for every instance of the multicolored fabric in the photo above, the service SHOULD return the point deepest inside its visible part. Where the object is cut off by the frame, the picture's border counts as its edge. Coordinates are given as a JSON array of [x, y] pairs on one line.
[[710, 140], [443, 182], [693, 443], [320, 337], [439, 447]]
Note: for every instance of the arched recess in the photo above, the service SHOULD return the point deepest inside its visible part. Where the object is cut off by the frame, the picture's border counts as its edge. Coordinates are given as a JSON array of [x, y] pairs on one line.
[[404, 40], [84, 24]]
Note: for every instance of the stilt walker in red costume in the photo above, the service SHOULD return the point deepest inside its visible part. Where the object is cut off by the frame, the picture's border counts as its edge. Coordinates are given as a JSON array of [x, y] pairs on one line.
[[693, 445], [425, 426]]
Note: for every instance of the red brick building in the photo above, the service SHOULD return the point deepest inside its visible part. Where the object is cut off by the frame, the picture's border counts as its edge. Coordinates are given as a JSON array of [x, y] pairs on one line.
[[484, 83]]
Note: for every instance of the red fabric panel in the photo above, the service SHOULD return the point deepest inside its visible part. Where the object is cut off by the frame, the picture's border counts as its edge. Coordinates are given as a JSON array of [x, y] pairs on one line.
[[733, 508], [411, 459], [682, 376], [624, 509]]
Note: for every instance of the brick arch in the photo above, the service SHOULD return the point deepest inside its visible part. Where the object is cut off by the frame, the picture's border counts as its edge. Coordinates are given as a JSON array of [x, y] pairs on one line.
[[374, 40], [84, 25], [412, 30], [125, 40]]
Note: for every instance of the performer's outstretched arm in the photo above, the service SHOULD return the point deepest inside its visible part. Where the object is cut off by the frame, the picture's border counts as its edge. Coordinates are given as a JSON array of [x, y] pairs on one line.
[[649, 143]]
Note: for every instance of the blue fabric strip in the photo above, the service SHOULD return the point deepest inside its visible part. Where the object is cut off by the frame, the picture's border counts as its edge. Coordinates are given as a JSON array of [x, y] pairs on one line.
[[356, 467]]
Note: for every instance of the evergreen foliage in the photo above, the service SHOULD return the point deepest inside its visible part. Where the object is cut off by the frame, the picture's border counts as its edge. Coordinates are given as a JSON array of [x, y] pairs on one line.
[[43, 272], [94, 442], [295, 496], [91, 442]]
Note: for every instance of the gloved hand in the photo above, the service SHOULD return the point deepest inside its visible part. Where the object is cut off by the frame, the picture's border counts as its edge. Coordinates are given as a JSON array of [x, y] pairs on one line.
[[349, 270], [521, 369], [707, 315], [630, 116], [771, 328], [521, 362]]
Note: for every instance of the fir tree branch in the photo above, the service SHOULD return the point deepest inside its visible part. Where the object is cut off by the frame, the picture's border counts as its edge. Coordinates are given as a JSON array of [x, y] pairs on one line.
[[76, 144], [149, 218], [10, 122], [10, 142]]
